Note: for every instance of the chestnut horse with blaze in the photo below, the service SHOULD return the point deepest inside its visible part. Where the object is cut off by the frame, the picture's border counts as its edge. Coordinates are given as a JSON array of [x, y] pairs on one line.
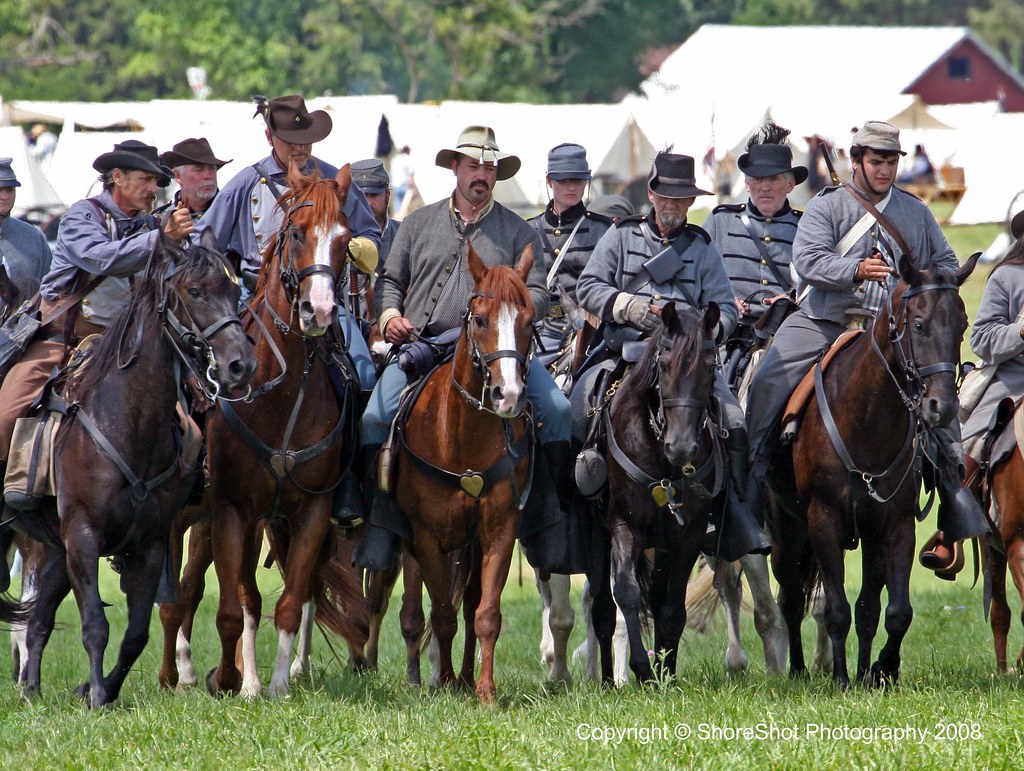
[[464, 467], [275, 459]]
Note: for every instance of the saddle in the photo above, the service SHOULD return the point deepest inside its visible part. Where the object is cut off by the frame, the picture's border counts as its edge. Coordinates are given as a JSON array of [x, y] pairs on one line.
[[805, 388]]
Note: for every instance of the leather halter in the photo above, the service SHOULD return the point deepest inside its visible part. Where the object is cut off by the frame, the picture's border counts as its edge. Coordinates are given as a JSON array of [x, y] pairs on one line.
[[912, 396], [664, 491]]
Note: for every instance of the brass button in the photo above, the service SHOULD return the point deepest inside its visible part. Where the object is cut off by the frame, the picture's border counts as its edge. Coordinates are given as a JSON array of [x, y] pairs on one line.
[[440, 283], [255, 199], [767, 239], [85, 301], [255, 218], [764, 262], [263, 180], [557, 251], [656, 297], [768, 220], [558, 232], [764, 282], [664, 242]]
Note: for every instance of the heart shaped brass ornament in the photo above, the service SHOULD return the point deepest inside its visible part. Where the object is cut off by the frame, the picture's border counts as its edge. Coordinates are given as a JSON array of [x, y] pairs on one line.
[[472, 484], [281, 464], [660, 496]]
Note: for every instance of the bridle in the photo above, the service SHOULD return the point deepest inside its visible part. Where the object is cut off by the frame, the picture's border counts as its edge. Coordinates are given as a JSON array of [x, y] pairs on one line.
[[481, 360]]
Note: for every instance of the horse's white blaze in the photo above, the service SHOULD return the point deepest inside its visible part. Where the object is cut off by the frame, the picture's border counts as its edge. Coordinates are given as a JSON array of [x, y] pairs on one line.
[[511, 386], [278, 687], [251, 685], [321, 293]]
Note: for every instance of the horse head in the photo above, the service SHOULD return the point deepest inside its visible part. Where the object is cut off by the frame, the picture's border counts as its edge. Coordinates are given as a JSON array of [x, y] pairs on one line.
[[685, 356], [926, 324], [499, 331], [201, 309], [313, 245]]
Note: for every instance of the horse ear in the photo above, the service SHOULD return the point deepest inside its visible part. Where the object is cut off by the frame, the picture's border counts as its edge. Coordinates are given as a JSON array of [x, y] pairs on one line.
[[967, 268], [344, 180], [670, 316], [476, 265], [525, 264], [294, 174], [712, 315], [908, 272]]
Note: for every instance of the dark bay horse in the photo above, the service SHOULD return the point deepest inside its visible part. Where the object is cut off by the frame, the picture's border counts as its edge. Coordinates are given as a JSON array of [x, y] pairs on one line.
[[464, 465], [276, 458], [664, 468], [852, 474], [118, 465]]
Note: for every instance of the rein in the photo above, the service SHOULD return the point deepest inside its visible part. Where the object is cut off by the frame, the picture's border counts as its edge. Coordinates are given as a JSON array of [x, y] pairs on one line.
[[666, 492], [914, 376]]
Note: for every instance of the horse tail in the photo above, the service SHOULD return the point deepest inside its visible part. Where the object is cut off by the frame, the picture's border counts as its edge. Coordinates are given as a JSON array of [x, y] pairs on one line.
[[461, 563], [810, 576], [341, 605], [14, 613], [644, 567], [702, 599]]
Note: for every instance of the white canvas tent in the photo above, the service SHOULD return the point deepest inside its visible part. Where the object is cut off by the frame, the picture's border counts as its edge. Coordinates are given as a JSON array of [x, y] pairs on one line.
[[993, 169], [35, 193]]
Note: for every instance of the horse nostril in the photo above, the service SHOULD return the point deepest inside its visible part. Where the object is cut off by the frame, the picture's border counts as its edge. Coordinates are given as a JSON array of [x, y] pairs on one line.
[[496, 395], [306, 308]]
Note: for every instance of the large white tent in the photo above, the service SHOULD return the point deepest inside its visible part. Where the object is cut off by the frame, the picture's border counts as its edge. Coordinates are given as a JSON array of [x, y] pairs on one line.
[[35, 193]]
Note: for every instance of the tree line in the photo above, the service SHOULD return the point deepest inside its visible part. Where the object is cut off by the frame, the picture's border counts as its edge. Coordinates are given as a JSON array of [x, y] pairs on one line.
[[492, 50]]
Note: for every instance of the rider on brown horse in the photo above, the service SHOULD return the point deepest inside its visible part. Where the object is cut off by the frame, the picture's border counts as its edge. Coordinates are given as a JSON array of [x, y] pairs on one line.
[[103, 242], [847, 257], [641, 264]]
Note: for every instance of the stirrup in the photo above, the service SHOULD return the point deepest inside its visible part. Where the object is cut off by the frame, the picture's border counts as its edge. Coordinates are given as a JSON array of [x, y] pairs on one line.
[[945, 561]]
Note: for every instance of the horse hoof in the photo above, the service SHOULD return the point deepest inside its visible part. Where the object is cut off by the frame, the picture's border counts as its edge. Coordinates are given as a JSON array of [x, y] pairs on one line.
[[211, 683], [82, 691]]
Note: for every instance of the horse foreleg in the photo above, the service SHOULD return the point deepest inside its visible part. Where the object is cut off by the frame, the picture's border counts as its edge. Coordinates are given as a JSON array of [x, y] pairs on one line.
[[730, 589], [768, 619], [789, 556], [236, 553], [493, 574], [838, 617], [899, 559], [589, 648], [143, 577], [668, 599], [54, 586], [177, 667], [1015, 560], [999, 609], [436, 570], [411, 618], [626, 591], [869, 601], [379, 585], [559, 618]]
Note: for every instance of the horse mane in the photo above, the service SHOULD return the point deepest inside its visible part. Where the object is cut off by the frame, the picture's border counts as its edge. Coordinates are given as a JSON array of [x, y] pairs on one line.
[[684, 351], [142, 308], [503, 284]]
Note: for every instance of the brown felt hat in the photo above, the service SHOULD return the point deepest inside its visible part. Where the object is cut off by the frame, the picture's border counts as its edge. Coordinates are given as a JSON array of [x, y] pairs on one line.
[[289, 120], [195, 151]]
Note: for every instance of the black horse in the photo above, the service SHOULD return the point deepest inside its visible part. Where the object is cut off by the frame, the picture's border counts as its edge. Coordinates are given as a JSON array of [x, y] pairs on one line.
[[852, 473], [664, 468], [118, 463]]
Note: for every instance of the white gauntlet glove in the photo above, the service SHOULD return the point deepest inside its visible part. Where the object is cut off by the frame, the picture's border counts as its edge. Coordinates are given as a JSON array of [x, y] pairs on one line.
[[635, 310]]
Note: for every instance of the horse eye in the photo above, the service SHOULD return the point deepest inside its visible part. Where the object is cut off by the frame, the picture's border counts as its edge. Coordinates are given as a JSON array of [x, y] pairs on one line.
[[918, 325], [193, 292], [480, 321]]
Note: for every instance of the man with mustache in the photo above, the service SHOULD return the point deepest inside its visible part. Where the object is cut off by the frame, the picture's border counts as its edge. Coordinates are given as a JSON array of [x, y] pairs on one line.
[[422, 291], [195, 170], [103, 242]]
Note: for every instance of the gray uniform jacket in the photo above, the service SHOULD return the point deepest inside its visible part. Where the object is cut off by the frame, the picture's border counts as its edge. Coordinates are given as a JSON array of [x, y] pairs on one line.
[[748, 270], [429, 245], [556, 231], [995, 338], [26, 254], [828, 217], [85, 245], [620, 255]]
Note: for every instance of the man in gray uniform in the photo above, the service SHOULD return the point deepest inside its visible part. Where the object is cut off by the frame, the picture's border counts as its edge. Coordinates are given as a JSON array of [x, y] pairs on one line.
[[23, 248], [844, 256], [569, 233], [618, 287], [372, 178], [423, 291], [756, 237]]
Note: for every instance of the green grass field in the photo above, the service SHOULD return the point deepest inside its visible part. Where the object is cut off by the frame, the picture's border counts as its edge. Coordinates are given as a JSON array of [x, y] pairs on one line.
[[949, 710]]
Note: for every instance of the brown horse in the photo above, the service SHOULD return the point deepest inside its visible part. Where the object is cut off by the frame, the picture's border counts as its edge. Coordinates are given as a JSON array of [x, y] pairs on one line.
[[276, 458], [855, 472], [118, 465], [464, 464], [1007, 488]]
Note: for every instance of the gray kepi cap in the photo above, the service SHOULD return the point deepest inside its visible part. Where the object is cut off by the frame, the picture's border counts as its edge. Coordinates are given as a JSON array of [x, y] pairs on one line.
[[568, 161], [370, 176], [879, 135], [7, 176]]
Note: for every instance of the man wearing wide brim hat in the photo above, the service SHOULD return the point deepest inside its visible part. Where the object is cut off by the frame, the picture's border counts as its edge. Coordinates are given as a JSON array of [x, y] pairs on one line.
[[756, 237], [195, 170], [423, 290], [23, 247], [569, 232], [109, 237], [640, 265], [847, 259]]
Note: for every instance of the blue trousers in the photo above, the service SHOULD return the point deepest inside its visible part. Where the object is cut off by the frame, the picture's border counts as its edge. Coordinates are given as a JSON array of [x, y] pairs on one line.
[[550, 407]]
